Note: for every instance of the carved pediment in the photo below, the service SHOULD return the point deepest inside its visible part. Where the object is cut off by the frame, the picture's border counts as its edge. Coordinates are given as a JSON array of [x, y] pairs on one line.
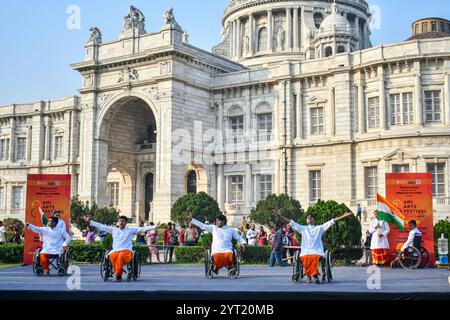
[[401, 155], [317, 101]]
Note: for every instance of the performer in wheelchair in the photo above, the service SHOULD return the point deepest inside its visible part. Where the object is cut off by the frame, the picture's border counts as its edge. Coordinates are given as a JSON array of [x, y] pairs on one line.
[[56, 242], [414, 234], [222, 245], [312, 247], [122, 252]]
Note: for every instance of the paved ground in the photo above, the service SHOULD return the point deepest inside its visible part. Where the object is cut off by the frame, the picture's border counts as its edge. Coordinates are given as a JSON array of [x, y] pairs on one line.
[[188, 282]]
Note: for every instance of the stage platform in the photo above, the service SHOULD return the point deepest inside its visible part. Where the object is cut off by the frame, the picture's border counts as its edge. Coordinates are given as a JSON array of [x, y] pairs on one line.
[[187, 283]]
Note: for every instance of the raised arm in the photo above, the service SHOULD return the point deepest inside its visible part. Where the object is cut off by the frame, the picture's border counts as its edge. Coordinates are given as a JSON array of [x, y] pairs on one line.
[[238, 238], [331, 223], [202, 226], [38, 230], [98, 226], [146, 229]]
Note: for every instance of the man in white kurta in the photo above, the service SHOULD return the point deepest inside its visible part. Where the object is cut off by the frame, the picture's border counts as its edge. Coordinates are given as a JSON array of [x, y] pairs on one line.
[[415, 232], [222, 244], [312, 245], [380, 242], [122, 251], [55, 241]]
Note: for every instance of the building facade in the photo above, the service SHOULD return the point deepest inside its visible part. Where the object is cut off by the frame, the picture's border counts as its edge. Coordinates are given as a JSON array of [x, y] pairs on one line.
[[294, 100]]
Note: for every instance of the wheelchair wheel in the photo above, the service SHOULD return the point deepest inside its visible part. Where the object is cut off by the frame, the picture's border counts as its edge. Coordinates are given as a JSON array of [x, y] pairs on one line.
[[297, 267], [208, 265], [66, 260], [329, 266], [105, 267], [37, 269], [394, 264], [237, 265], [136, 266], [410, 259], [233, 273], [424, 258]]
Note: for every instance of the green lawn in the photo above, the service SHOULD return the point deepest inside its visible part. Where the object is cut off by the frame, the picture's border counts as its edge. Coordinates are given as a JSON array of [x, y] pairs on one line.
[[5, 266]]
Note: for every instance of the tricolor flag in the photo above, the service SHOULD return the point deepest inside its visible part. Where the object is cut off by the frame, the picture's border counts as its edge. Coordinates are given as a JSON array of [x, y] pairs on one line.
[[388, 212], [44, 219]]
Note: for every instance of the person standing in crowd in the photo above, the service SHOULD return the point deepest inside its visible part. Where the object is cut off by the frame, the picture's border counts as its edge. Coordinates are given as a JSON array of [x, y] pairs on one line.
[[245, 224], [251, 235], [182, 240], [191, 235], [367, 252], [173, 240], [262, 237], [140, 238], [242, 233], [277, 248], [152, 243], [270, 236], [167, 242], [380, 242], [90, 236], [2, 233], [365, 214], [16, 239], [359, 212]]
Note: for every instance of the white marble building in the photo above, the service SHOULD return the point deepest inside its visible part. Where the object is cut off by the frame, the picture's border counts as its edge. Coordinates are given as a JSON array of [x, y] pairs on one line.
[[304, 103]]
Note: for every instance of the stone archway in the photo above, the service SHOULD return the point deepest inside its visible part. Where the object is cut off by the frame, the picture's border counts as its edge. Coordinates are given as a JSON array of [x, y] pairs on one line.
[[198, 175], [127, 135]]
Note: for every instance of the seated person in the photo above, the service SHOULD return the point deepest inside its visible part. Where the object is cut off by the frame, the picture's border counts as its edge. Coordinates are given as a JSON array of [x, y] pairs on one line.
[[222, 244], [415, 232], [312, 246], [122, 252], [55, 240]]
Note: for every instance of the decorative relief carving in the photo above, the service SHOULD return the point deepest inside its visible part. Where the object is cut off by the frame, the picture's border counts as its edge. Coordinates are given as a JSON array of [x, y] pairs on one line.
[[128, 74], [165, 67]]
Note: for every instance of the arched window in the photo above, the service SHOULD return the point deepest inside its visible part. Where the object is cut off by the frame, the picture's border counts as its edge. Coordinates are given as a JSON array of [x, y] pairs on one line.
[[341, 49], [192, 182], [318, 19], [328, 52], [262, 39]]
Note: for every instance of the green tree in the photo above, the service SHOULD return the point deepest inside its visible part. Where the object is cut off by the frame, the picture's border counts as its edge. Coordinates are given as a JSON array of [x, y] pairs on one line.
[[266, 210], [202, 206], [78, 209], [345, 234], [442, 227]]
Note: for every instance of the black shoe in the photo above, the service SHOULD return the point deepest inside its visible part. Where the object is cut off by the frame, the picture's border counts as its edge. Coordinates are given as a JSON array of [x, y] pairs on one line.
[[216, 271], [316, 280]]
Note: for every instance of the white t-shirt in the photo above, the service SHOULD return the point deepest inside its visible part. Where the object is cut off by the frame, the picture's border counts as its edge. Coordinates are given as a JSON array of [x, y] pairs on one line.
[[312, 237], [2, 234], [251, 237]]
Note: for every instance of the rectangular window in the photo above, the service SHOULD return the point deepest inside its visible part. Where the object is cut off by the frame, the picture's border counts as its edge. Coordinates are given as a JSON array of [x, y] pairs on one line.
[[371, 178], [237, 128], [317, 127], [237, 189], [438, 171], [7, 150], [58, 147], [265, 186], [265, 127], [17, 197], [396, 111], [433, 106], [424, 27], [114, 189], [315, 186], [21, 149], [2, 150], [442, 27], [400, 168], [374, 113], [408, 108], [2, 195], [433, 26]]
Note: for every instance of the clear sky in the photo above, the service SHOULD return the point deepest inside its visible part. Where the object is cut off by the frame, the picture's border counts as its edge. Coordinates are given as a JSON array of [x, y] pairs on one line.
[[37, 46]]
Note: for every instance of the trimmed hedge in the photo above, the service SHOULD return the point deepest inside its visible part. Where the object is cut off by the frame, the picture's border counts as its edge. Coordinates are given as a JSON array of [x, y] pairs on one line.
[[189, 254], [11, 253]]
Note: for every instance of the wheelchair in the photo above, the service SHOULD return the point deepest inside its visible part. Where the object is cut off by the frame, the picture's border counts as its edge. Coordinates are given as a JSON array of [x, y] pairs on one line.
[[233, 272], [326, 264], [133, 269], [59, 262], [415, 257]]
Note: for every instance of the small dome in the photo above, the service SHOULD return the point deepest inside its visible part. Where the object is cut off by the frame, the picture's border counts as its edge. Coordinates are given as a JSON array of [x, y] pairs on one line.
[[335, 23]]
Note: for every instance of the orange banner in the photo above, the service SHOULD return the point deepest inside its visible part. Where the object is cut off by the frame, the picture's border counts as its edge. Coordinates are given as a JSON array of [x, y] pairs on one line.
[[45, 194], [412, 193]]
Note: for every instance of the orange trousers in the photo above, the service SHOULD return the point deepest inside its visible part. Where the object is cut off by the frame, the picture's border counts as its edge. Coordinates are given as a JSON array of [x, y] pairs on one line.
[[311, 265], [45, 261], [119, 260], [222, 260]]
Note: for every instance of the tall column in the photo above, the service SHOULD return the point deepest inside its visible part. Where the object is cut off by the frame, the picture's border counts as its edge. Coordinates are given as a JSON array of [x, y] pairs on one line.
[[220, 187], [12, 141], [67, 134], [251, 30], [418, 110], [364, 35], [29, 142], [238, 39], [299, 89], [255, 189], [234, 38], [270, 30], [227, 190], [138, 191], [447, 98], [358, 32], [361, 105], [289, 30], [296, 30], [248, 186], [331, 95], [48, 138], [382, 88]]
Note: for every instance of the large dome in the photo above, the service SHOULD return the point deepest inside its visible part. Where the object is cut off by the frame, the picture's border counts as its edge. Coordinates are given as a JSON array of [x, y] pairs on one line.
[[335, 23]]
